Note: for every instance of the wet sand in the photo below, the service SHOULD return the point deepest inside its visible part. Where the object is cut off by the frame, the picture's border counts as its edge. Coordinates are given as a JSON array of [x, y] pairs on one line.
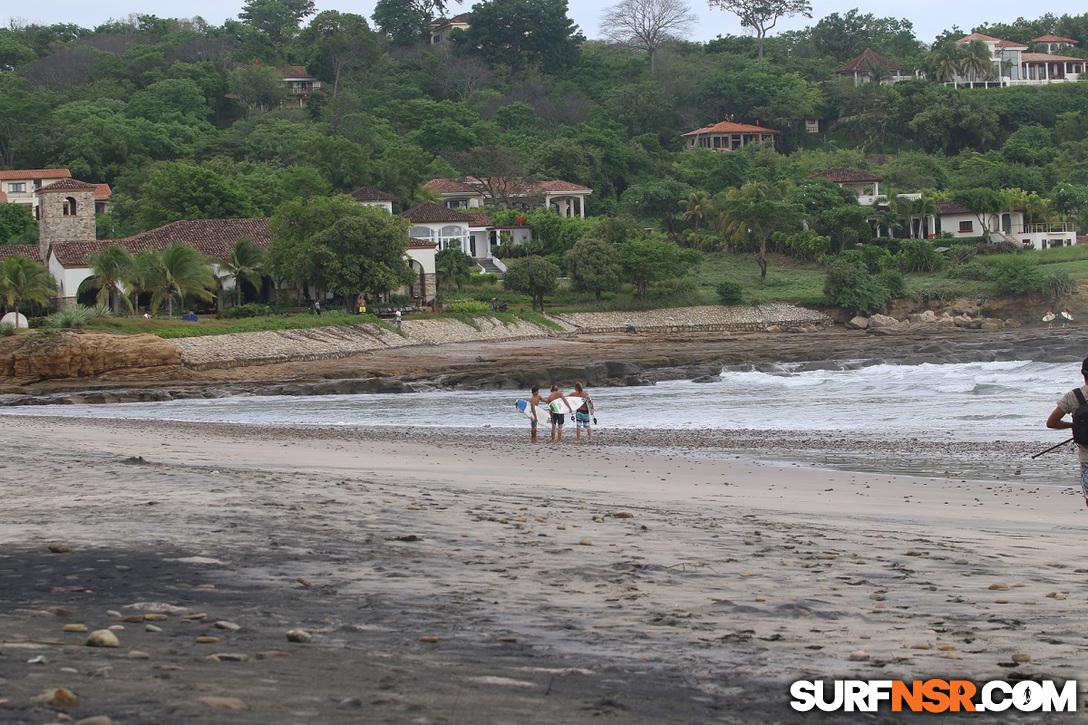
[[472, 579]]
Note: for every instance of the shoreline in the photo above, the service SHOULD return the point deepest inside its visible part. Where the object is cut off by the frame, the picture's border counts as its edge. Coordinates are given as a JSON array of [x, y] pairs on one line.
[[441, 578]]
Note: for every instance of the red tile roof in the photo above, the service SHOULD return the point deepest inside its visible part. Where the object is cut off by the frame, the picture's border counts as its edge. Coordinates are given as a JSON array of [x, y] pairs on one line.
[[843, 176], [868, 60], [978, 36], [1049, 58], [730, 127], [451, 186], [1051, 38], [368, 193], [68, 184], [431, 213], [102, 192], [417, 243], [27, 250], [20, 174], [210, 237], [1009, 44], [477, 219], [951, 207], [291, 72]]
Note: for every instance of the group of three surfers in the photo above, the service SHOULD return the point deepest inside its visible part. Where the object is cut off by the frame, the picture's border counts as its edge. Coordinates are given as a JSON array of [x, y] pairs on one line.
[[577, 401]]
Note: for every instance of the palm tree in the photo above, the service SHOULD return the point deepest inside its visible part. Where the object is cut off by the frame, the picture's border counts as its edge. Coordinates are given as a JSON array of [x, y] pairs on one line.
[[109, 271], [696, 207], [178, 271], [946, 58], [977, 62], [143, 271], [23, 279], [243, 262]]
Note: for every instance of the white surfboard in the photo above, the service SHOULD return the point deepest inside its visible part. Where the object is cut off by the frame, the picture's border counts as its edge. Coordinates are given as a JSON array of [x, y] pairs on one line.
[[542, 414], [565, 406], [1048, 317], [1067, 316]]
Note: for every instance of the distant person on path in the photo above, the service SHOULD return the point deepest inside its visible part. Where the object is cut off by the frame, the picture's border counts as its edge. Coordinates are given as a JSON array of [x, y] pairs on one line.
[[1048, 318], [557, 418], [398, 319], [583, 416], [360, 304], [535, 400], [1066, 318], [1066, 405]]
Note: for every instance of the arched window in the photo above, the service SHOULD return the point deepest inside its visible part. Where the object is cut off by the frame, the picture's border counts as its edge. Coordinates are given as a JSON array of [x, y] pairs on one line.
[[422, 233], [69, 206]]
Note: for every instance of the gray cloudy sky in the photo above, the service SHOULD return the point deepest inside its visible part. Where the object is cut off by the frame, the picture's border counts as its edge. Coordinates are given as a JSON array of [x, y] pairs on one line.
[[930, 17]]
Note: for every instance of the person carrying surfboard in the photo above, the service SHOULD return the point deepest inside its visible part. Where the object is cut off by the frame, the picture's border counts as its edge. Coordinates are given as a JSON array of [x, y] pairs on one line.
[[584, 414], [558, 415], [535, 400], [1068, 404]]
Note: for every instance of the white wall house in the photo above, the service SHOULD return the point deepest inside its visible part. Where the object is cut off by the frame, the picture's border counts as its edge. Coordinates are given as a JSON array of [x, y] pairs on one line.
[[1007, 226], [563, 197], [728, 136], [863, 183], [369, 196], [1015, 64]]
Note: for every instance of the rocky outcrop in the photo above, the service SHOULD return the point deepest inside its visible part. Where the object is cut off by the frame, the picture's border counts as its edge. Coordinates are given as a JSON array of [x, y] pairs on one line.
[[66, 354]]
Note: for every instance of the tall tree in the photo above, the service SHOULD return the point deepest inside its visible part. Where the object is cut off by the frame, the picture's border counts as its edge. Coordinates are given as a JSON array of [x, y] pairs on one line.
[[754, 212], [453, 268], [243, 264], [362, 253], [984, 203], [594, 265], [110, 269], [406, 22], [17, 224], [646, 260], [523, 35], [977, 62], [535, 276], [760, 16], [646, 25], [178, 271], [498, 169], [24, 280], [342, 44], [279, 19]]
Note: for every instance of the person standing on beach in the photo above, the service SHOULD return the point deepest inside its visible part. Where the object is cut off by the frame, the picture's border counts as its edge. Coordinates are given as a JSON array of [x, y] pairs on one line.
[[1066, 405], [557, 418], [535, 400], [583, 415]]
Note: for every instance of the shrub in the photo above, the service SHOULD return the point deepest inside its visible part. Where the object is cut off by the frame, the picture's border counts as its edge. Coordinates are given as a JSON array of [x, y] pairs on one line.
[[917, 255], [1061, 284], [71, 318], [876, 258], [730, 293], [99, 312], [850, 286], [1018, 275], [971, 270], [892, 280], [468, 307], [7, 329], [251, 309]]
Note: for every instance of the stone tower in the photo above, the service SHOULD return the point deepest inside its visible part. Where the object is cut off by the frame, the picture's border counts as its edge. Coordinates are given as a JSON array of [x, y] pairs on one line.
[[65, 214]]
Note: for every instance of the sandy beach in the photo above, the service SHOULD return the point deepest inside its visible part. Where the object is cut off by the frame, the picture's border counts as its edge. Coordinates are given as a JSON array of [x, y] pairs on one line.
[[470, 578]]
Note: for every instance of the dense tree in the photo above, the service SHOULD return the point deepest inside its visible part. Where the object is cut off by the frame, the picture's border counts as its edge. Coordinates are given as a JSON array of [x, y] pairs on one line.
[[844, 37], [294, 224], [406, 22], [594, 265], [983, 203], [647, 260], [181, 190], [17, 224], [278, 19], [646, 25], [523, 35], [534, 276], [760, 16], [341, 45], [363, 252]]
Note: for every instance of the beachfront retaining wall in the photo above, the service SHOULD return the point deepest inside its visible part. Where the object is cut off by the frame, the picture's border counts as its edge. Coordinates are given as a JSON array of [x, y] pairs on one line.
[[325, 343]]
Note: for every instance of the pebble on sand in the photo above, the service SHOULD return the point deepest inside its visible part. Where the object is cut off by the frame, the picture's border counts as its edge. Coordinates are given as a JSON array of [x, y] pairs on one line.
[[103, 638], [96, 720], [999, 587], [298, 635], [207, 639], [223, 703], [585, 542], [228, 626], [858, 656], [1021, 658], [55, 697], [75, 628], [429, 639]]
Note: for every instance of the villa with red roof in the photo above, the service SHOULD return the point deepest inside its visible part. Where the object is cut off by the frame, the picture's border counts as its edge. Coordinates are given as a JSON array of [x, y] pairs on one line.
[[863, 183], [18, 186], [1014, 64], [728, 136], [871, 66]]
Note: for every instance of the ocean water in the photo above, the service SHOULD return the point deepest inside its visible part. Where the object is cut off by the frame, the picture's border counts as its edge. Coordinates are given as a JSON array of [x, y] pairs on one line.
[[966, 402], [978, 421]]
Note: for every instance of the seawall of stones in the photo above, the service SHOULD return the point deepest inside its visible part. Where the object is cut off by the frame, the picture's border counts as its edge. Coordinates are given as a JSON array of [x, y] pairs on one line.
[[325, 343]]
